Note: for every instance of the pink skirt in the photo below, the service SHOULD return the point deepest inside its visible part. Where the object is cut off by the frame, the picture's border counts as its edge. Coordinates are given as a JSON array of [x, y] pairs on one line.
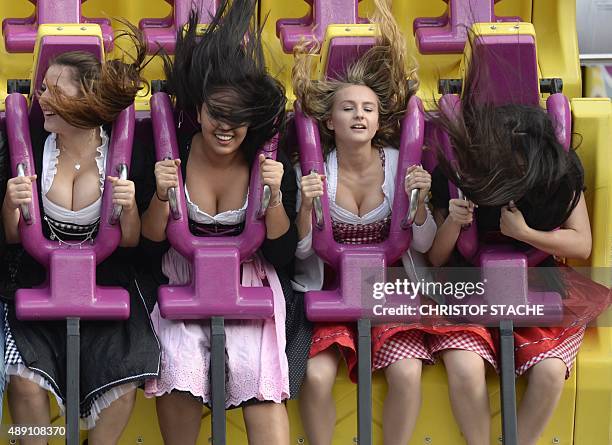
[[256, 364]]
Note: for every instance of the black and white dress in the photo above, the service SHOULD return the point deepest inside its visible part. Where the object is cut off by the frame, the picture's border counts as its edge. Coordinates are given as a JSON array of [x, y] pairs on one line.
[[116, 356]]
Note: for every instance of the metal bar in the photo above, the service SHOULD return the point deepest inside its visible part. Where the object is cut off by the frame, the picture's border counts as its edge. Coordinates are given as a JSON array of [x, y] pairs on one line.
[[117, 209], [73, 360], [25, 209], [364, 382], [217, 377], [507, 383], [599, 59]]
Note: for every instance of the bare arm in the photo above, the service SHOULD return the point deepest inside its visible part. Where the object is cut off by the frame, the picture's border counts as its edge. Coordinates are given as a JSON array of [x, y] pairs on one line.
[[18, 192], [449, 227], [572, 240], [155, 218]]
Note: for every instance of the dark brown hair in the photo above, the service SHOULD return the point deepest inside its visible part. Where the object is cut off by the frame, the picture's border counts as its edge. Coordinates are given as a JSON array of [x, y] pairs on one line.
[[106, 88], [224, 69], [508, 153]]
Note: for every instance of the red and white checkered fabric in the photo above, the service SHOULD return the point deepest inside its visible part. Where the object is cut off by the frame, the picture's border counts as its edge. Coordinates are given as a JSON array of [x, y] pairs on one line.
[[405, 344], [372, 233], [467, 341], [566, 351]]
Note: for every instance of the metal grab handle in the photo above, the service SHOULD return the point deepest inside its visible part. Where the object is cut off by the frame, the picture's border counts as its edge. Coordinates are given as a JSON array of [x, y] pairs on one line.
[[318, 209], [25, 209], [172, 201], [174, 210], [265, 200], [412, 209], [117, 209], [461, 195]]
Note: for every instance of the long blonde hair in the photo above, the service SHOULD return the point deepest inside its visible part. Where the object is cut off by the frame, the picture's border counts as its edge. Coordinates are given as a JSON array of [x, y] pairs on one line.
[[383, 68]]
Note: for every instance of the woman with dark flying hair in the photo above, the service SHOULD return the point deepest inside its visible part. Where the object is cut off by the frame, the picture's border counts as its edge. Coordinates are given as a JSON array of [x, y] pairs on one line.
[[80, 98], [221, 77], [511, 166]]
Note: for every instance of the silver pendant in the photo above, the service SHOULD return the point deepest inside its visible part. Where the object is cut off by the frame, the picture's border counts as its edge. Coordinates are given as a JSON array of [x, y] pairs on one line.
[[77, 166]]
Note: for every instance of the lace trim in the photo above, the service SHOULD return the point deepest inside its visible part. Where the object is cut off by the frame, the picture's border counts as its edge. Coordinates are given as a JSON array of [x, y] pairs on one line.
[[240, 386], [97, 406], [229, 217]]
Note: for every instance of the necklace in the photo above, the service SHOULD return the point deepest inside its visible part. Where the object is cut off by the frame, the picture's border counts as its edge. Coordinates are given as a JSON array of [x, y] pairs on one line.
[[77, 162]]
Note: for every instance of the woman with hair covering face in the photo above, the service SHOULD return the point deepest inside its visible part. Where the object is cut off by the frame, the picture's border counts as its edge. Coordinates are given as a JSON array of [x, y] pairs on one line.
[[221, 77], [511, 166], [80, 98], [358, 115]]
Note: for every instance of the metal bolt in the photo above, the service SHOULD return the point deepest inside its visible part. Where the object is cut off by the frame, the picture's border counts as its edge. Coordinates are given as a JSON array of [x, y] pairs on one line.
[[347, 29], [517, 26], [139, 439], [59, 28], [355, 440], [427, 440], [500, 439], [371, 28], [556, 440], [83, 28], [493, 27], [13, 441], [300, 440]]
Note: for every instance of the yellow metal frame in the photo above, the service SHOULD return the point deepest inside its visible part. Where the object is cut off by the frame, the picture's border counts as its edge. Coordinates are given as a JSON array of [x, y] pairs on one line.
[[335, 31], [64, 30]]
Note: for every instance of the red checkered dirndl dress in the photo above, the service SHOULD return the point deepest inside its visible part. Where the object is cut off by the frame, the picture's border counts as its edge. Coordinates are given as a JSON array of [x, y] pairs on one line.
[[584, 301], [390, 342]]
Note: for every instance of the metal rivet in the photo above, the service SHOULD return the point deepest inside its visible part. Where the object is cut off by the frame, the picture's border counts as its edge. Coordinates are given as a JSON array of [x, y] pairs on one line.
[[59, 28], [139, 439], [300, 440], [517, 26], [83, 28], [347, 29], [500, 439], [371, 28], [556, 440], [355, 440], [427, 440], [493, 27]]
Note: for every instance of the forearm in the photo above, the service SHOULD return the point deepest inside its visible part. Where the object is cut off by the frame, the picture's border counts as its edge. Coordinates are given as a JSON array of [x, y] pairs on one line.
[[567, 243], [130, 227], [444, 243], [155, 220], [303, 222], [277, 222], [421, 214], [10, 218]]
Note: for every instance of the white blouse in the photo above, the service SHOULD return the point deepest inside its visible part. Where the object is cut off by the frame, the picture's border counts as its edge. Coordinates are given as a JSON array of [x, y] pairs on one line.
[[309, 267], [86, 215], [229, 217]]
